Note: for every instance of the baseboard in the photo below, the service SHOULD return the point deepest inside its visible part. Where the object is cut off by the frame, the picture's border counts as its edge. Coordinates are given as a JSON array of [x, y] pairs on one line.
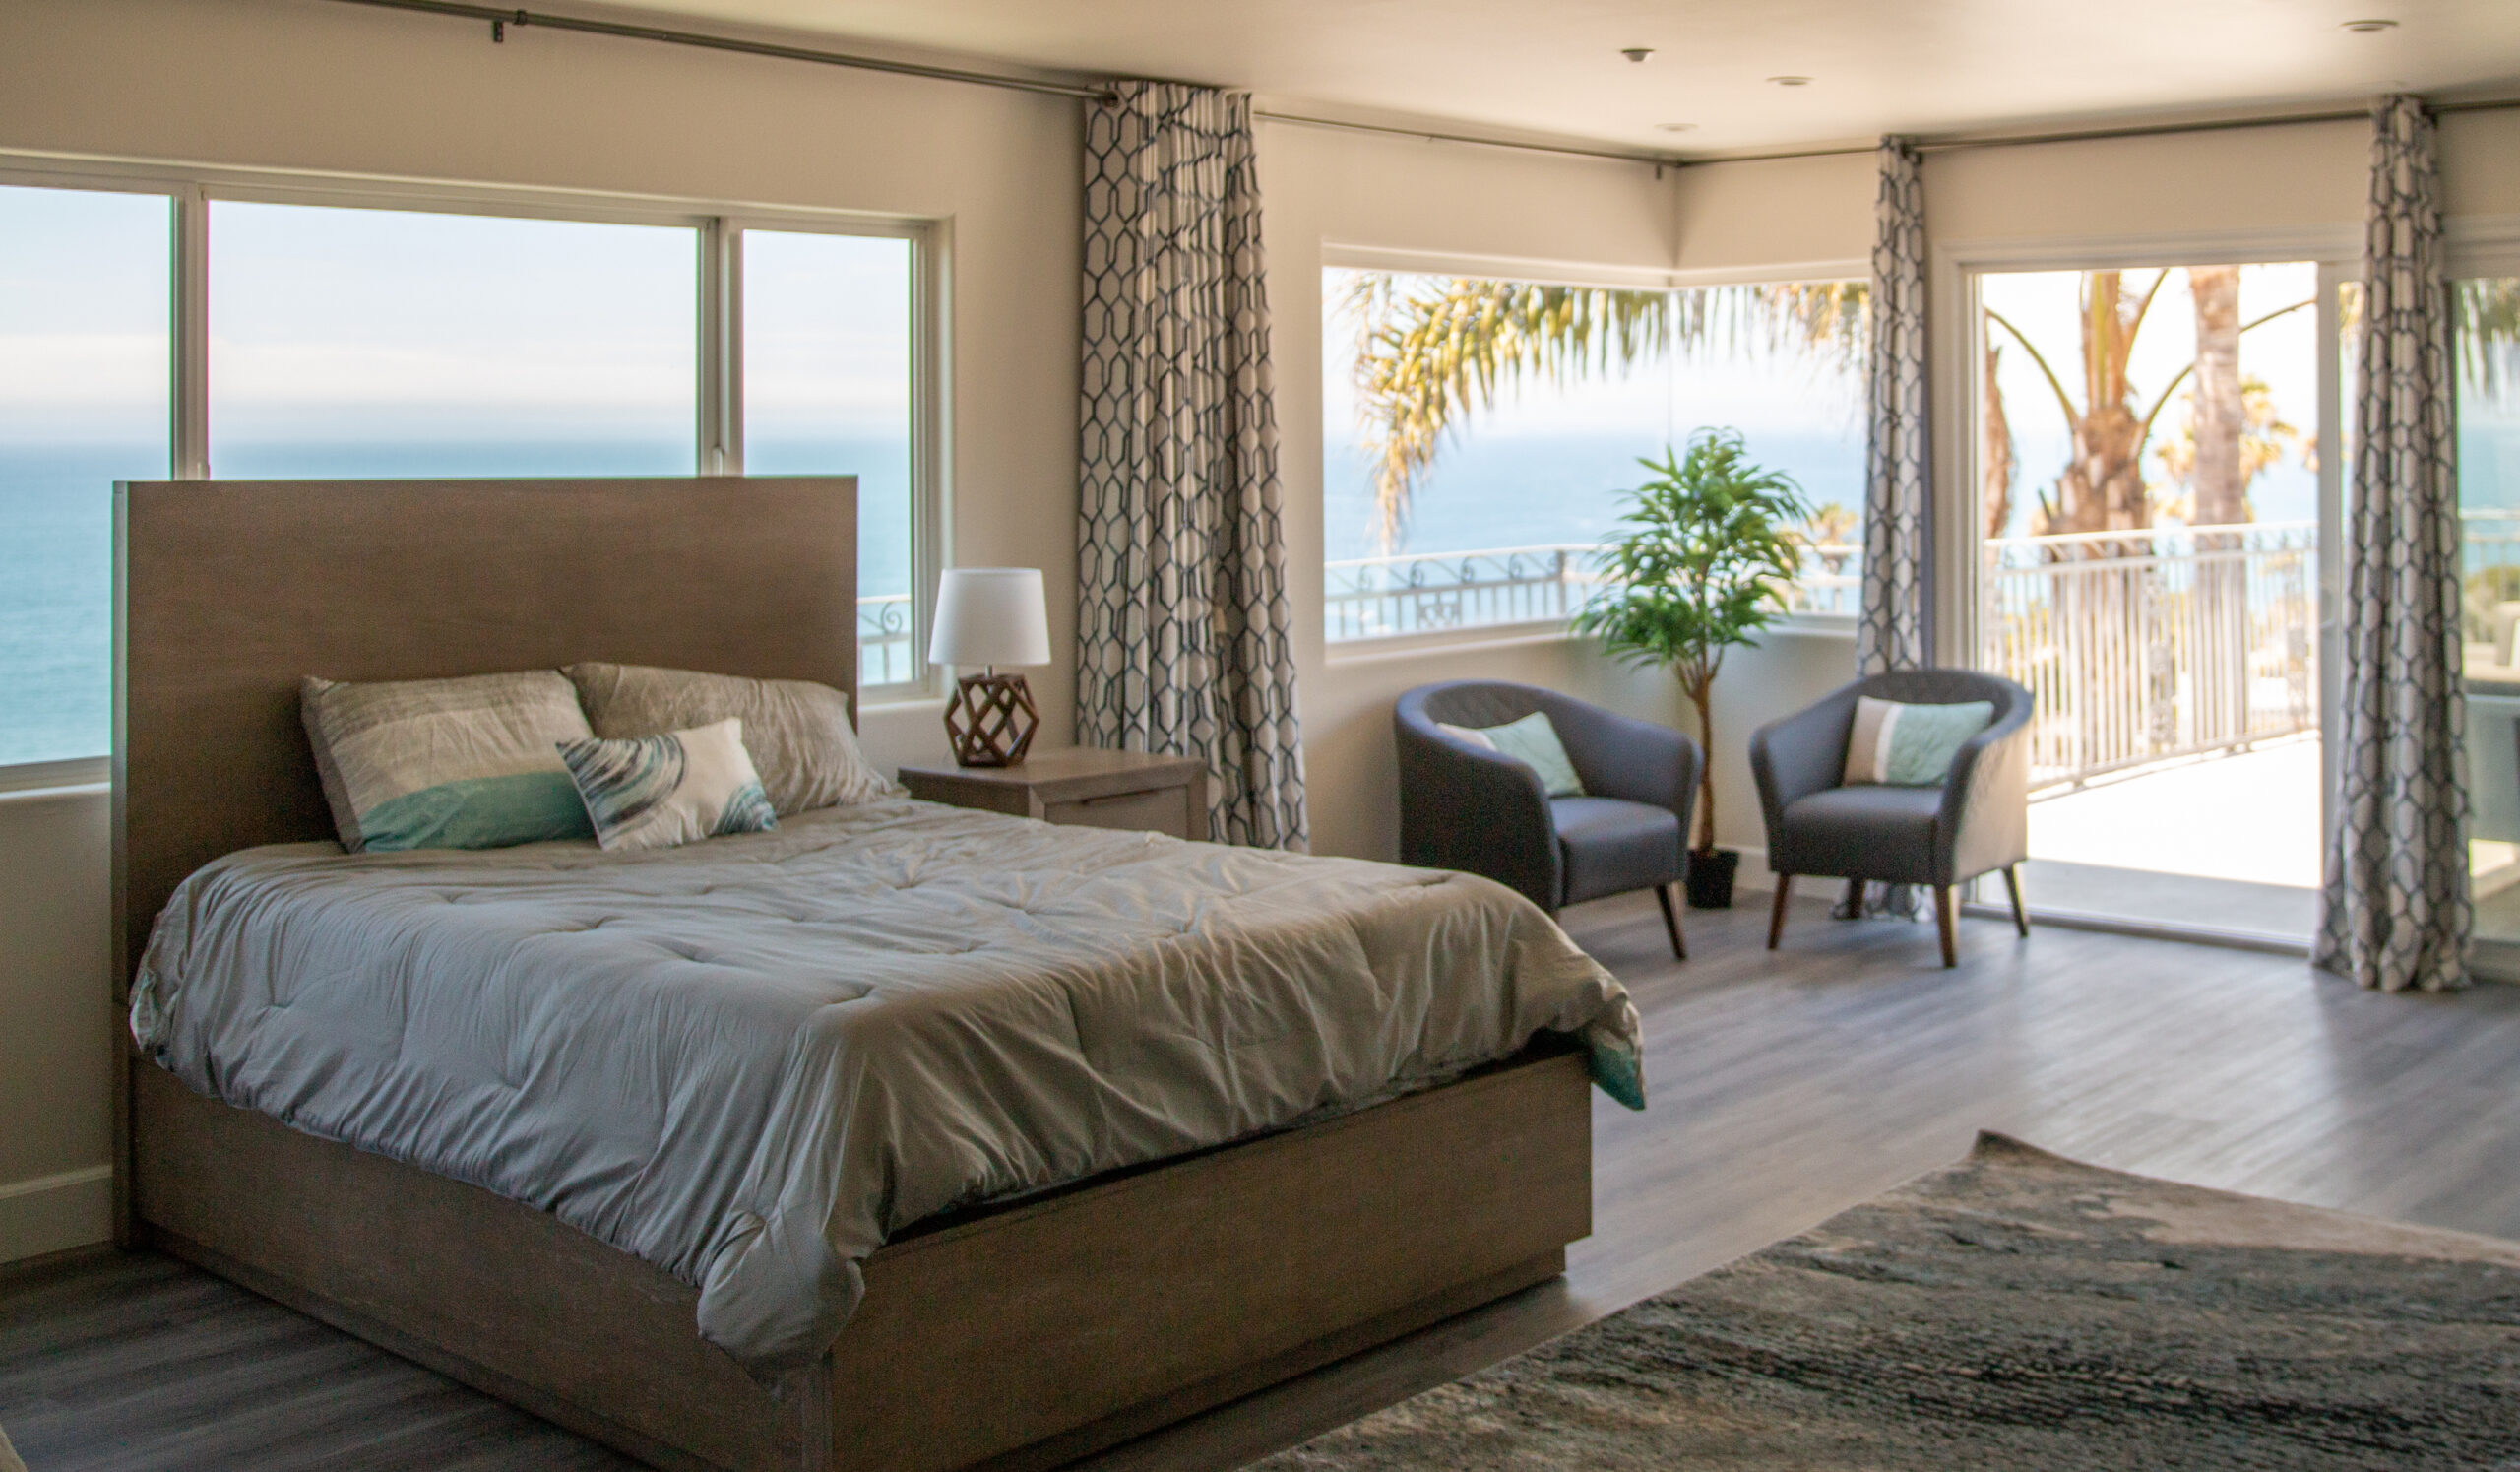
[[55, 1213]]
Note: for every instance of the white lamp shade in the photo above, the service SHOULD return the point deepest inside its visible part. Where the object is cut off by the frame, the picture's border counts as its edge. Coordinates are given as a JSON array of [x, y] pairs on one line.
[[991, 616]]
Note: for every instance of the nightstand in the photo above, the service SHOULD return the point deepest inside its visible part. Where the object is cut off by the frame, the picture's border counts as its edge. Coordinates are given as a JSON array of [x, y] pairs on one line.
[[1080, 785]]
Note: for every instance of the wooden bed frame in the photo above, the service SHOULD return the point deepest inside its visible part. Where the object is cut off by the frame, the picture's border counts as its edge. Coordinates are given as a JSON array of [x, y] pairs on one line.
[[1013, 1338]]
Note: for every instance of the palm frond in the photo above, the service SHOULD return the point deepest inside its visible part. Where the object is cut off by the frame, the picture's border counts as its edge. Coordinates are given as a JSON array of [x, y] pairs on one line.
[[1433, 351], [2486, 327]]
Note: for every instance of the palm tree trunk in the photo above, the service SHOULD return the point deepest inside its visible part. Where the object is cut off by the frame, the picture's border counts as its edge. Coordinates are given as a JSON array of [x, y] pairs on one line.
[[2216, 488], [2000, 460]]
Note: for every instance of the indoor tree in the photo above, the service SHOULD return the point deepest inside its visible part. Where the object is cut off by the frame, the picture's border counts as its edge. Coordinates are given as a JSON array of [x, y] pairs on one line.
[[1709, 554]]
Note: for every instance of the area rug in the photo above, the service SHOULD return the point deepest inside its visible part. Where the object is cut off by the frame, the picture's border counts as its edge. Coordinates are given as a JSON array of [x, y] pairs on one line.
[[2015, 1311]]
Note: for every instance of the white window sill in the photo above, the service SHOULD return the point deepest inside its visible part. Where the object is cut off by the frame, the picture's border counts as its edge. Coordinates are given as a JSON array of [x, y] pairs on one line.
[[36, 781]]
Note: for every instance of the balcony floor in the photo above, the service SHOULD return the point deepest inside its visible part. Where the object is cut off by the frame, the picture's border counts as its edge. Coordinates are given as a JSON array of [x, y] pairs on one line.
[[2228, 842]]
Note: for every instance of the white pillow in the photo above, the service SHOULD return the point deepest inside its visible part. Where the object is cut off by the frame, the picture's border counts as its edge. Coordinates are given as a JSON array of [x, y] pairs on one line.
[[797, 731], [659, 791]]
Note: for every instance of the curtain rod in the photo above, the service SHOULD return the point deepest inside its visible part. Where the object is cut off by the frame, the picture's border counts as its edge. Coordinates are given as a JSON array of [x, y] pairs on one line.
[[499, 20]]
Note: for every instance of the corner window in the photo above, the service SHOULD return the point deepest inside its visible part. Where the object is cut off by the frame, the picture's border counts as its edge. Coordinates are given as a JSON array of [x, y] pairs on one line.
[[1481, 434]]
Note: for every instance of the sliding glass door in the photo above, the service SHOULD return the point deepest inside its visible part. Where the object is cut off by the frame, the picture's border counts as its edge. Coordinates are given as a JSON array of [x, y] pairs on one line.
[[2150, 494]]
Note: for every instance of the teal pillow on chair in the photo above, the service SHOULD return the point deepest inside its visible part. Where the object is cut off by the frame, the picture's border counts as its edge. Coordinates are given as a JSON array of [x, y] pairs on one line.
[[1532, 742], [1909, 745]]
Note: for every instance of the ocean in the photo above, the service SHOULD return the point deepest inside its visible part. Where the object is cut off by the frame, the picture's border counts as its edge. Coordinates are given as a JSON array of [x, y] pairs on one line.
[[56, 545]]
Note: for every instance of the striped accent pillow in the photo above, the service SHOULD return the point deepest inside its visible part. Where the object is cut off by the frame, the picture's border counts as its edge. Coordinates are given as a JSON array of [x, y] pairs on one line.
[[1909, 745], [465, 763], [661, 790]]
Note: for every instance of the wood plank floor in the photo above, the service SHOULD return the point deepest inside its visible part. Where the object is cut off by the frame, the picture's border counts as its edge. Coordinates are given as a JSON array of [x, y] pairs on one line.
[[1784, 1088]]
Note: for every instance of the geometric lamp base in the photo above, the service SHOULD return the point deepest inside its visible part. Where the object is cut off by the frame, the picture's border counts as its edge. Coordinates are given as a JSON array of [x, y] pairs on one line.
[[992, 720]]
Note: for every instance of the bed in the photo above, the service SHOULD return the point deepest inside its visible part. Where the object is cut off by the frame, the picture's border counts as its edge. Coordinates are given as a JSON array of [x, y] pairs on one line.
[[1055, 1312]]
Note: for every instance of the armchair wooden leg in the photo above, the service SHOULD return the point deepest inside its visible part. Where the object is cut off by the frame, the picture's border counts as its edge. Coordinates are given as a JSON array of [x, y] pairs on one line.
[[1942, 922], [1851, 907], [1775, 916], [2012, 887], [1671, 922]]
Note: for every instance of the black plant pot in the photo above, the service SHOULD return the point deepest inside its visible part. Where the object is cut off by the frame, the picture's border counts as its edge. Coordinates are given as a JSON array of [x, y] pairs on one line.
[[1711, 874]]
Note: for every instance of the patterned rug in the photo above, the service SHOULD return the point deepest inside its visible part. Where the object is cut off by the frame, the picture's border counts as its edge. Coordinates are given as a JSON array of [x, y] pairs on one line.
[[2014, 1310]]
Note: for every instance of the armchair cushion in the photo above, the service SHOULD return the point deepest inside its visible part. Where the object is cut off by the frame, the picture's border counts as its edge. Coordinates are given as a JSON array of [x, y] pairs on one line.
[[1609, 845], [1909, 745], [1532, 742], [1873, 832]]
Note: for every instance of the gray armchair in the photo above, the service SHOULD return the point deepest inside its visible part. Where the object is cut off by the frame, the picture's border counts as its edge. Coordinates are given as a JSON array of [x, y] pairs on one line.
[[1975, 823], [1466, 808]]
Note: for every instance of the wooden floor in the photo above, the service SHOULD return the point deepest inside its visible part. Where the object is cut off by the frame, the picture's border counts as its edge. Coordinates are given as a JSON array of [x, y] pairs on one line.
[[1785, 1089]]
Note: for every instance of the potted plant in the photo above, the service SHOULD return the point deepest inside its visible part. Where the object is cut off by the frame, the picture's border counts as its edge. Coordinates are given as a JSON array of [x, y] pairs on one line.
[[1706, 565]]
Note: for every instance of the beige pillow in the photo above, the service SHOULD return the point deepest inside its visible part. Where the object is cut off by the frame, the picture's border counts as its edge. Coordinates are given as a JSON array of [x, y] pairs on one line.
[[796, 733], [465, 763]]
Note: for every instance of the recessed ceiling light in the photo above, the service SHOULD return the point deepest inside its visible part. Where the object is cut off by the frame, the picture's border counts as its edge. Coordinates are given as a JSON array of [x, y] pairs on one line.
[[1636, 53], [1791, 81], [1675, 127], [2372, 26]]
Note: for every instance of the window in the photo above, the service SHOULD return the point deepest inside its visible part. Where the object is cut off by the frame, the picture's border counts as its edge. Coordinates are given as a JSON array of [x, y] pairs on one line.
[[2486, 316], [1475, 485], [350, 344], [84, 388], [827, 371], [407, 338]]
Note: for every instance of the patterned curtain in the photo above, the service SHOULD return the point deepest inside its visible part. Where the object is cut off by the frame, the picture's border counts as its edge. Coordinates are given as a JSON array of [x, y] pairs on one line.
[[2396, 910], [1184, 628], [1892, 631]]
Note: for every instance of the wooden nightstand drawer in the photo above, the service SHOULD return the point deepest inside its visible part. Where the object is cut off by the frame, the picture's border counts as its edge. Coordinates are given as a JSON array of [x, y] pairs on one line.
[[1080, 785], [1165, 810]]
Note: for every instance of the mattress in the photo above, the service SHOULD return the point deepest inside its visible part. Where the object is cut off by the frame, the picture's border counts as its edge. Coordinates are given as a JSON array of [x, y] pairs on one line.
[[749, 1061]]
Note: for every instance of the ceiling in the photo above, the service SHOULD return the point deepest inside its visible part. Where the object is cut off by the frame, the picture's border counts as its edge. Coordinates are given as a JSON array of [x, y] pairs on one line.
[[1555, 69]]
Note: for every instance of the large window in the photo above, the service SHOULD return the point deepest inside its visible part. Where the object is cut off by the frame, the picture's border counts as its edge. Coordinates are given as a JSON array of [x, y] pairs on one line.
[[827, 369], [2487, 319], [83, 385], [1481, 435], [398, 339]]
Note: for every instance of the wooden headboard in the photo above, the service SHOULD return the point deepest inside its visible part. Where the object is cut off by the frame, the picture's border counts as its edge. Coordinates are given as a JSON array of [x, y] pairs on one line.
[[227, 592]]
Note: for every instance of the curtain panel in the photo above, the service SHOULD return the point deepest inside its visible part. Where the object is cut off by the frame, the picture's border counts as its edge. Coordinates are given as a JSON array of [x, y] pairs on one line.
[[1183, 626], [1893, 628], [2396, 909]]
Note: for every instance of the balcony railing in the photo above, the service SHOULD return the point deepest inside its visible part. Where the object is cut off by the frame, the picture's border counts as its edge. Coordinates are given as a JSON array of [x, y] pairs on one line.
[[1374, 597], [884, 653], [2145, 645]]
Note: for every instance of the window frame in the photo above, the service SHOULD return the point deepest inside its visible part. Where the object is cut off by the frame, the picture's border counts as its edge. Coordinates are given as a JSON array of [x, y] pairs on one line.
[[1349, 257], [717, 290]]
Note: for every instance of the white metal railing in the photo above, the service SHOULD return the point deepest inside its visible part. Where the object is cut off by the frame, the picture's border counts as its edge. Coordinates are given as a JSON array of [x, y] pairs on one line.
[[884, 653], [2488, 568], [1371, 598], [2148, 644]]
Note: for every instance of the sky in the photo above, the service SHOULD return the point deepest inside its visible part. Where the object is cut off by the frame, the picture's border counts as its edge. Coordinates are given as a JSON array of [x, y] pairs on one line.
[[379, 326], [2045, 305]]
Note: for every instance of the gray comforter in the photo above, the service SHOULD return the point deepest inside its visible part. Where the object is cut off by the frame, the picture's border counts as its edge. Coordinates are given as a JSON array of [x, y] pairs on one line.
[[748, 1060]]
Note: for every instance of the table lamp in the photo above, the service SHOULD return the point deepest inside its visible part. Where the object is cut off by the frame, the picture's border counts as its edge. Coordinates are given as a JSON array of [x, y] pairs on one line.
[[990, 616]]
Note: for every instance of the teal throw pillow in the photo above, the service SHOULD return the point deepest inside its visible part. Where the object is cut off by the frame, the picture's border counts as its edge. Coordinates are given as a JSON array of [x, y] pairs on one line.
[[1534, 742], [1909, 745]]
